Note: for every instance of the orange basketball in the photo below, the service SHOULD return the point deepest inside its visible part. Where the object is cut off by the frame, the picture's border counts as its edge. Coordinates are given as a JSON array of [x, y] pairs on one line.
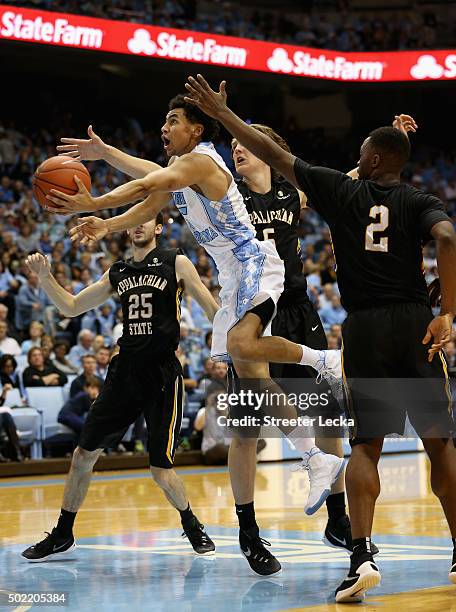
[[57, 173]]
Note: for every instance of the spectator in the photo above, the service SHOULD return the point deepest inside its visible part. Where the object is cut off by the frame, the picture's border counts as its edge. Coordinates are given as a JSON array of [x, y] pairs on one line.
[[8, 426], [103, 357], [333, 314], [30, 303], [8, 371], [216, 439], [74, 412], [189, 381], [83, 347], [206, 376], [324, 299], [218, 378], [37, 374], [12, 331], [36, 331], [97, 343], [8, 346], [89, 368], [60, 360]]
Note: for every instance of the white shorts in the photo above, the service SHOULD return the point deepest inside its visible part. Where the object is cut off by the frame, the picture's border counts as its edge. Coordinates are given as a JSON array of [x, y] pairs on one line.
[[248, 276]]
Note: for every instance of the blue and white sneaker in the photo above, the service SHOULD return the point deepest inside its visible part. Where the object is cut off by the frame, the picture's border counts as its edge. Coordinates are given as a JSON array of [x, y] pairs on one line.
[[323, 470]]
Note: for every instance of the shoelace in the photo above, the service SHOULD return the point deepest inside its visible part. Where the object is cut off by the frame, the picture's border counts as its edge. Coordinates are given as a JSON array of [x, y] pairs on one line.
[[264, 557], [40, 544], [325, 371], [304, 464], [199, 528]]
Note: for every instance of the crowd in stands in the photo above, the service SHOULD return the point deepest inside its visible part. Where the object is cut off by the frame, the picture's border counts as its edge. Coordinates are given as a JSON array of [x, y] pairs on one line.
[[41, 347], [338, 27]]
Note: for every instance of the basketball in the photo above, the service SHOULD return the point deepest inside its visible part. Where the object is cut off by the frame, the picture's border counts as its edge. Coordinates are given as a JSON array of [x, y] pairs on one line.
[[58, 173]]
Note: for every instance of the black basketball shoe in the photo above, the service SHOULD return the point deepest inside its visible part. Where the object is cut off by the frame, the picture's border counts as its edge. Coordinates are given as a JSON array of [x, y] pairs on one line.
[[363, 575], [338, 535], [452, 574], [253, 548], [198, 538], [53, 545]]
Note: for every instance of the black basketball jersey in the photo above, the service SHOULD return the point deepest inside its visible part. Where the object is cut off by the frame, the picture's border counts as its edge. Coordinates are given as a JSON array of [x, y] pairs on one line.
[[150, 298], [275, 216], [377, 235]]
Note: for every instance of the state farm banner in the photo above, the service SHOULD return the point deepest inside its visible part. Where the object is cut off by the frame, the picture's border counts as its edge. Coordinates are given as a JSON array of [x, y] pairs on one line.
[[75, 31]]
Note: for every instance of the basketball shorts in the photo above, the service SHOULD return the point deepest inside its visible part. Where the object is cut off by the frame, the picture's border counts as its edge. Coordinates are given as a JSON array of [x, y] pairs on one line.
[[388, 376], [135, 386], [249, 276]]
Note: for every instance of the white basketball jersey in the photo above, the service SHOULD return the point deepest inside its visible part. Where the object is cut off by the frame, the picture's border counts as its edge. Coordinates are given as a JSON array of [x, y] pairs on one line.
[[219, 226]]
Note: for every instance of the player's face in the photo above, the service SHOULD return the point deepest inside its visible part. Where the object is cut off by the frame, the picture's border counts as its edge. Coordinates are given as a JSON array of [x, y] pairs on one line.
[[179, 136], [368, 160], [246, 163], [144, 234]]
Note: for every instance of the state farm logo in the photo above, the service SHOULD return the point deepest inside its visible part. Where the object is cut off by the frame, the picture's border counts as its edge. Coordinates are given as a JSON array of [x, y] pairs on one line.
[[142, 43], [305, 64], [427, 67], [56, 31], [170, 46]]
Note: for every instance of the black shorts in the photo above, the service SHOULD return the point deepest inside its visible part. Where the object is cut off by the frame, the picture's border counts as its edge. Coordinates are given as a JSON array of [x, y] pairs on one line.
[[298, 323], [134, 386], [388, 376]]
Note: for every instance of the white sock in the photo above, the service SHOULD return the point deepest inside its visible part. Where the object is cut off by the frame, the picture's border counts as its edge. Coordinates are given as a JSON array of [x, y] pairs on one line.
[[310, 356], [300, 442]]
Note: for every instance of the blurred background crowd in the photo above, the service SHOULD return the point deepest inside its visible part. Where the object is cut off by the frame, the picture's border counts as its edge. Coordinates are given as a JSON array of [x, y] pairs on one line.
[[323, 123], [343, 25]]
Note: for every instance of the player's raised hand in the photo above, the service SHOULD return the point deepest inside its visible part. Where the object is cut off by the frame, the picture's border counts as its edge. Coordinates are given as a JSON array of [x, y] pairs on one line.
[[89, 229], [64, 204], [439, 333], [405, 123], [39, 264], [91, 148], [201, 95]]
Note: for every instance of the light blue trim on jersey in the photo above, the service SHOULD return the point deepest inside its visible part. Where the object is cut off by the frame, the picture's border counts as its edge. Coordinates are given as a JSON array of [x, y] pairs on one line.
[[225, 221], [252, 261]]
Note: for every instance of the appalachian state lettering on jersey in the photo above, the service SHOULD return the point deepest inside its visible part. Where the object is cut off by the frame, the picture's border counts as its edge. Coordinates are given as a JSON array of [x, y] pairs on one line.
[[150, 299], [275, 216]]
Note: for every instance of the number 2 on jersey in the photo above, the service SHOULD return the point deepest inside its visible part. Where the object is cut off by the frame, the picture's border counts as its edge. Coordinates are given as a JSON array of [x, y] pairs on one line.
[[140, 306], [381, 215]]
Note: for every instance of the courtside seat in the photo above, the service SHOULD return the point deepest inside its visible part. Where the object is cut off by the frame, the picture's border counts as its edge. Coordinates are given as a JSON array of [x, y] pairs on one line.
[[49, 400]]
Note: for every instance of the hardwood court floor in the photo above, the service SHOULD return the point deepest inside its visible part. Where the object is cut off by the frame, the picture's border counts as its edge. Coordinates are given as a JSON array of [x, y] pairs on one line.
[[131, 555]]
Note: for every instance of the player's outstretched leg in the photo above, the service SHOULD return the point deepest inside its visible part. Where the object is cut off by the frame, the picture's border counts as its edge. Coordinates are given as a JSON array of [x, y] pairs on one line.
[[61, 540], [242, 466], [174, 490]]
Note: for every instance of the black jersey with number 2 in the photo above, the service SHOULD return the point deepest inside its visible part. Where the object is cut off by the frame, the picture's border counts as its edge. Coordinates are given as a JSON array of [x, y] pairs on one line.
[[275, 216], [150, 298], [377, 235]]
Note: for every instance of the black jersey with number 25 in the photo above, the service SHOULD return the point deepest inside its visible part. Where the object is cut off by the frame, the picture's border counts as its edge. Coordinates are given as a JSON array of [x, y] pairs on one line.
[[150, 298], [377, 235], [275, 216]]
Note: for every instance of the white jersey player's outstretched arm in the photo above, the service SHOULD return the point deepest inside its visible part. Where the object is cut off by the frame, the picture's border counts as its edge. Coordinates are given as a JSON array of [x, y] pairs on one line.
[[68, 304], [190, 169], [94, 148], [193, 285]]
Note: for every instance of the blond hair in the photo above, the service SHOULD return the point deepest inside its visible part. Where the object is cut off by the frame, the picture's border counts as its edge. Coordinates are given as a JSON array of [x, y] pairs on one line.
[[268, 131]]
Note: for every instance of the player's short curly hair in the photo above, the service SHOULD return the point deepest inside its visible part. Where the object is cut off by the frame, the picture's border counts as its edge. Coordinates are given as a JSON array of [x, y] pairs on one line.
[[268, 131], [392, 143], [195, 115]]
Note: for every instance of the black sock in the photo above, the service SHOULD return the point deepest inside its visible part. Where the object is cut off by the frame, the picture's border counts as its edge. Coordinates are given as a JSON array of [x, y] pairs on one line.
[[66, 522], [361, 551], [336, 506], [246, 516], [454, 550], [186, 515]]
